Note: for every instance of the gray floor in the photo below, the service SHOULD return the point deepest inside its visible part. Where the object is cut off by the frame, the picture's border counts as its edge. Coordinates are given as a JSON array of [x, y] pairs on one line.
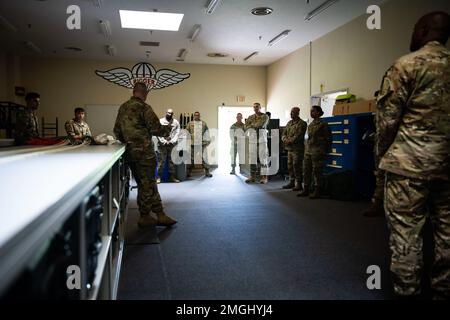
[[238, 241]]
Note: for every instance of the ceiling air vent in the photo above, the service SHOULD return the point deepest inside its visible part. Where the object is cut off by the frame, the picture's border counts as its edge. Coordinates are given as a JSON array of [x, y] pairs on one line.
[[149, 44], [217, 55], [262, 11]]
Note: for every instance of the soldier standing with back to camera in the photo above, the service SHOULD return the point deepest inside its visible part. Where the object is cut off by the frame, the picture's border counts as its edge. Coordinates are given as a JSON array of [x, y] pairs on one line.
[[413, 134], [135, 124], [293, 139]]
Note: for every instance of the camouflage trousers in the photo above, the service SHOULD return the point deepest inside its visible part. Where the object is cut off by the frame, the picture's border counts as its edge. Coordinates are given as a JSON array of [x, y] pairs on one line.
[[234, 153], [313, 165], [295, 165], [165, 154], [378, 193], [408, 203], [148, 198], [261, 159], [203, 154]]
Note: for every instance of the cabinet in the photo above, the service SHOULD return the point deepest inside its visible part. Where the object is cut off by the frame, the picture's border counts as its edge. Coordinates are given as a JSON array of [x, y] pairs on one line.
[[352, 149], [76, 220]]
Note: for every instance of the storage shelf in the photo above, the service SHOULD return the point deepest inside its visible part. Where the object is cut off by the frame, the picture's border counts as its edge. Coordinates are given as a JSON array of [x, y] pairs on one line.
[[101, 266]]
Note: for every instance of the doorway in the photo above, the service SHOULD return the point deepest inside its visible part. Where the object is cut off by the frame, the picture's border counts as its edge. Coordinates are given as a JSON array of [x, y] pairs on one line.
[[227, 116]]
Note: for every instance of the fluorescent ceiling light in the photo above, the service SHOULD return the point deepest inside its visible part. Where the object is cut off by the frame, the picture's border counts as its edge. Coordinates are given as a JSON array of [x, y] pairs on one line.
[[251, 55], [212, 5], [150, 20], [97, 3], [5, 24], [31, 46], [181, 55], [320, 9], [105, 27], [278, 38], [111, 50], [194, 33]]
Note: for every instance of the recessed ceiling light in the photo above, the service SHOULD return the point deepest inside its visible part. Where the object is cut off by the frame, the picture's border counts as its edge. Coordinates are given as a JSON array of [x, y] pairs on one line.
[[150, 20], [262, 11]]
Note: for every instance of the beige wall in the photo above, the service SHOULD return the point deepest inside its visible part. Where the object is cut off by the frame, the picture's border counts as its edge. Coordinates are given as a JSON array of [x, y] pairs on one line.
[[349, 57], [65, 84]]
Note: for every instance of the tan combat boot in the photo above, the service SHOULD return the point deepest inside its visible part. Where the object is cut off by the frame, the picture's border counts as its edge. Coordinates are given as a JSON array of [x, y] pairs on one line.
[[290, 185], [298, 186], [164, 220], [263, 180], [251, 179], [304, 192], [146, 220]]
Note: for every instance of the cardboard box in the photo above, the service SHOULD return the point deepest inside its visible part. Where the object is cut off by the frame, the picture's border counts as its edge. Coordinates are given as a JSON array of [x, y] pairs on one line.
[[362, 106]]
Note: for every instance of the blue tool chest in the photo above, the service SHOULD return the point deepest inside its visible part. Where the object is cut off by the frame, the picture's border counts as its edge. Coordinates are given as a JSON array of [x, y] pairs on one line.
[[352, 150]]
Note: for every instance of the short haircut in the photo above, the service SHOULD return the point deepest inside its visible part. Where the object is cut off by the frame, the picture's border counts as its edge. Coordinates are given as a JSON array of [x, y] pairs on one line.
[[79, 110], [140, 86], [257, 103], [239, 114], [196, 112], [319, 109], [32, 95]]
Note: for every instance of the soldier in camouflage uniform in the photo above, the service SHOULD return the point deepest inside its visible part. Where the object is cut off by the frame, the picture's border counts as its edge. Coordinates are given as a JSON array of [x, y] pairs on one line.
[[135, 124], [376, 208], [234, 136], [413, 144], [26, 121], [77, 129], [198, 129], [166, 145], [294, 143], [258, 122], [317, 147]]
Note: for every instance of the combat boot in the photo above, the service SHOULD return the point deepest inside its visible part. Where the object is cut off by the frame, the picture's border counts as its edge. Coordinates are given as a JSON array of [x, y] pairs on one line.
[[315, 194], [251, 179], [146, 220], [233, 171], [263, 180], [164, 220], [298, 186], [173, 179], [290, 185], [375, 209], [304, 192], [208, 174]]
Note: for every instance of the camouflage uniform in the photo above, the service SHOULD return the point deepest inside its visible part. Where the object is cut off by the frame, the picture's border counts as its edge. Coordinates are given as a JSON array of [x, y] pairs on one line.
[[165, 149], [234, 142], [413, 134], [257, 122], [135, 124], [26, 126], [75, 128], [317, 146], [294, 143], [199, 137]]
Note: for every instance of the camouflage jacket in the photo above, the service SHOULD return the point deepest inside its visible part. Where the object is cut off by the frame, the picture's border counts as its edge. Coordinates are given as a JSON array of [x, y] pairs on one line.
[[26, 126], [319, 137], [74, 128], [233, 129], [257, 122], [294, 135], [135, 125], [413, 110], [199, 132]]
